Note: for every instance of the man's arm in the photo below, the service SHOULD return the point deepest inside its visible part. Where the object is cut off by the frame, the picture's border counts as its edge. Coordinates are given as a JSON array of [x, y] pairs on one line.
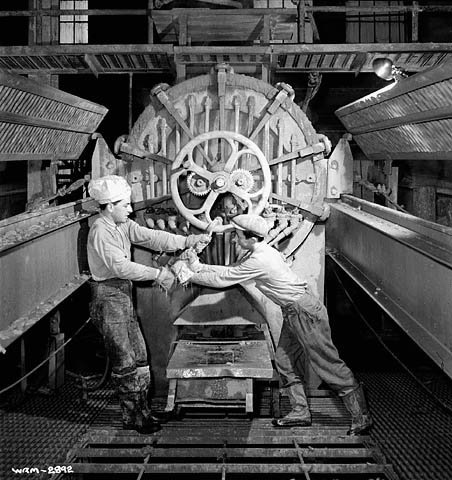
[[119, 265], [161, 241], [157, 240], [219, 276]]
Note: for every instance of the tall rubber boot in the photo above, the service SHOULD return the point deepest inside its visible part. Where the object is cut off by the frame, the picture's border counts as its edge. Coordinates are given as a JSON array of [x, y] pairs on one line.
[[299, 416], [144, 380], [130, 400], [355, 403]]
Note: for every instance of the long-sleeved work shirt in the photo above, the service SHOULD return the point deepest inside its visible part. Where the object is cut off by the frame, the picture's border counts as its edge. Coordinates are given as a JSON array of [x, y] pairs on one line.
[[266, 266], [109, 245]]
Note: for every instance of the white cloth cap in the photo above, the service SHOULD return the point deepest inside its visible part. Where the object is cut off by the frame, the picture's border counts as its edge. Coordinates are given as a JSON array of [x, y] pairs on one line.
[[251, 223], [110, 188]]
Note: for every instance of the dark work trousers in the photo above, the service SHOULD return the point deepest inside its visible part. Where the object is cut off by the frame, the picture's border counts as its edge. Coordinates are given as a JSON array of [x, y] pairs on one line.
[[113, 313], [306, 331]]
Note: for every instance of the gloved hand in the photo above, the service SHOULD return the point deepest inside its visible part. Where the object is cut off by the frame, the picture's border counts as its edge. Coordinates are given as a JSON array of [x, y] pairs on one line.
[[182, 271], [165, 279], [191, 258], [198, 242]]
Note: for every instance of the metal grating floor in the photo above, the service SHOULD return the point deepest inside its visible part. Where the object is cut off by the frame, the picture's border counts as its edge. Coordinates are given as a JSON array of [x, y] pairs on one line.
[[226, 447], [38, 433], [411, 430]]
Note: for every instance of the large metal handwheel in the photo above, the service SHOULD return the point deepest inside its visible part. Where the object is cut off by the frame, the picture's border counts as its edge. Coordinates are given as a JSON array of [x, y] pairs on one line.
[[228, 179]]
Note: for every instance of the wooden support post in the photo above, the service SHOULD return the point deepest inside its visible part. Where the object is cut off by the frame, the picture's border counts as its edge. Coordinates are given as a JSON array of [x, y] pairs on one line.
[[56, 361], [150, 23], [265, 73], [393, 185], [265, 38], [181, 72], [183, 30], [32, 5], [249, 396], [415, 22], [55, 24], [424, 202], [301, 20]]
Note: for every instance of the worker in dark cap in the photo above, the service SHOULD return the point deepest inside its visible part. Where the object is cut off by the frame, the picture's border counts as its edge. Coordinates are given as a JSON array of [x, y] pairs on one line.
[[112, 310], [305, 322]]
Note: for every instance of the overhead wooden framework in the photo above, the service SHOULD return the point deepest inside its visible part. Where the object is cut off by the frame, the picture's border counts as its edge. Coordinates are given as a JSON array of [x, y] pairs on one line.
[[114, 59], [252, 40]]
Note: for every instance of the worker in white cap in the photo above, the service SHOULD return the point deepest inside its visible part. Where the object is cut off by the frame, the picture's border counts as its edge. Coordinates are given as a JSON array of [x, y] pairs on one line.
[[305, 323], [112, 311]]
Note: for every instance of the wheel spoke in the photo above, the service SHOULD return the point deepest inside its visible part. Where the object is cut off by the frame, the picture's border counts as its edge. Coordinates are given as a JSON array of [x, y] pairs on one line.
[[232, 160], [202, 172], [241, 194], [256, 194]]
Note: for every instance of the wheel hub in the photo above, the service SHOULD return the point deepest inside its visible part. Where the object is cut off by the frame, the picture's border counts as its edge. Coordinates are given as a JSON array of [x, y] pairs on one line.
[[221, 183]]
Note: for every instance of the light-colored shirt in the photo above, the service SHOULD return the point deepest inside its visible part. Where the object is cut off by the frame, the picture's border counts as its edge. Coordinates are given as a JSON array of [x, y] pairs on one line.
[[266, 266], [109, 246]]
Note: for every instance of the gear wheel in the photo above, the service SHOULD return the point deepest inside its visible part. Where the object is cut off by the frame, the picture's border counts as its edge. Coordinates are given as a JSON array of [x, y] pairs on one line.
[[242, 179], [198, 185]]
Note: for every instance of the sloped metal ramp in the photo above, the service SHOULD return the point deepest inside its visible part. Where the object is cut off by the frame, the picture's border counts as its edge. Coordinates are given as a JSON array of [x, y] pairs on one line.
[[231, 447]]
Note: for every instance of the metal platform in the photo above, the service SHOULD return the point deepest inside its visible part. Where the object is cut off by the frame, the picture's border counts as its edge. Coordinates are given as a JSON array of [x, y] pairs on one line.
[[410, 429], [227, 447]]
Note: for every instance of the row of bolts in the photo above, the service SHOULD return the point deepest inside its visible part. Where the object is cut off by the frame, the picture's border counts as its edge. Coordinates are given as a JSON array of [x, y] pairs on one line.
[[221, 250]]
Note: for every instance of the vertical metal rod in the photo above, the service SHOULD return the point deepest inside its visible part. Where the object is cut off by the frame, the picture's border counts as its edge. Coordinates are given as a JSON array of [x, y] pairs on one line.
[[227, 248], [162, 152], [208, 106], [220, 248], [279, 175], [23, 368], [151, 178], [130, 100]]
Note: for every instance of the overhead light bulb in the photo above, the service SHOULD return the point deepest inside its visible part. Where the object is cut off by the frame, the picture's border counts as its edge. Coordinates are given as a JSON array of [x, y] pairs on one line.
[[385, 69]]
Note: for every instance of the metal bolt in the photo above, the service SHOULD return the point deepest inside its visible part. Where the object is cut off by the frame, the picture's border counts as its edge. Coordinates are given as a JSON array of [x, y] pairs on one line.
[[334, 164], [220, 182]]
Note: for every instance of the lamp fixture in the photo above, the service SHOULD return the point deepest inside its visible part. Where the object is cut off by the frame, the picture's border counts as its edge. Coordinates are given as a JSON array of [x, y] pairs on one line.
[[384, 68]]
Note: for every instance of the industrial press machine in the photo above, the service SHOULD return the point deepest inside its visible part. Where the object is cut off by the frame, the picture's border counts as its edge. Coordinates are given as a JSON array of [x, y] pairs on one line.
[[202, 152]]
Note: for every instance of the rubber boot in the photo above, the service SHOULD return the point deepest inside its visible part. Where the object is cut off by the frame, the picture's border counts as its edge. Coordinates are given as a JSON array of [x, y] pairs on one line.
[[144, 378], [299, 416], [130, 400], [355, 402]]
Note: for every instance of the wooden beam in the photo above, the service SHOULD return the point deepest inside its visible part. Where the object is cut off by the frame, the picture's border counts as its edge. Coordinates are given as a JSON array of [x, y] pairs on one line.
[[93, 64]]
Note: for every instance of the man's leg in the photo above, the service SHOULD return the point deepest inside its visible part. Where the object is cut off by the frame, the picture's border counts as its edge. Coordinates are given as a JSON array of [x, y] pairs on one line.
[[111, 313], [288, 354], [308, 320], [144, 374]]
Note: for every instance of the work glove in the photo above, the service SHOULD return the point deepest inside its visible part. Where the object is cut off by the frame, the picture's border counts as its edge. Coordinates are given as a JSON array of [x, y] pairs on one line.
[[182, 271], [190, 257], [198, 242], [165, 279]]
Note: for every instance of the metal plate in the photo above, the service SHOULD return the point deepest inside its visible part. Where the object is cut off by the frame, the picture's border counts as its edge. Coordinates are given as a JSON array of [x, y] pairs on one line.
[[250, 359], [225, 307]]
